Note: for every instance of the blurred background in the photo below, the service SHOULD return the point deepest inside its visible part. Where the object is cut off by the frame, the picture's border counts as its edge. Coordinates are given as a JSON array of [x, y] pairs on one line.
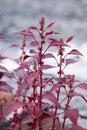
[[70, 17]]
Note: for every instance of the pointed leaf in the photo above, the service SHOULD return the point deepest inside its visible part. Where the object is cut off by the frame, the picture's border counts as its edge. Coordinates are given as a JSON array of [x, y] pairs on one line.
[[25, 57], [8, 74], [56, 86], [82, 85], [51, 32], [49, 55], [50, 97], [70, 61], [75, 127], [5, 86], [14, 45], [29, 78], [24, 65], [33, 51], [73, 115], [47, 67], [69, 39], [74, 52], [33, 28], [14, 107], [25, 33], [34, 43], [50, 25], [35, 111], [55, 42], [2, 57], [80, 95]]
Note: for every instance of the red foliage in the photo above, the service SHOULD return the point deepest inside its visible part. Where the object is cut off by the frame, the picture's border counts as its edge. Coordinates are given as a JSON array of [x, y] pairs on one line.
[[39, 94]]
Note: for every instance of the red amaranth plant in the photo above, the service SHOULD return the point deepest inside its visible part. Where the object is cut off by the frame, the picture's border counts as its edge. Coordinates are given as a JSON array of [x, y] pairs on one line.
[[39, 95]]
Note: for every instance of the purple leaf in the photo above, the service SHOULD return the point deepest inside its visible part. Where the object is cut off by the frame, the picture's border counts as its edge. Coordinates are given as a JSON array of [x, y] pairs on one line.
[[33, 28], [29, 79], [55, 42], [47, 67], [14, 106], [51, 98], [49, 55], [69, 39], [24, 65], [34, 43], [82, 85], [73, 115], [80, 95], [24, 86], [2, 57], [33, 51], [25, 33], [8, 74], [35, 110], [14, 45], [69, 78], [75, 127], [50, 25], [70, 61], [51, 32], [74, 52], [6, 87], [56, 86], [25, 57]]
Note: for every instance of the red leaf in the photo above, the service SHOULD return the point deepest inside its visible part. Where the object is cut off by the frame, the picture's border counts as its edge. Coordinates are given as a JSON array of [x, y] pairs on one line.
[[25, 33], [47, 67], [2, 57], [56, 86], [70, 61], [24, 65], [25, 57], [80, 95], [6, 87], [69, 39], [34, 43], [49, 55], [55, 42], [14, 45], [33, 51], [74, 52], [9, 75], [75, 127], [51, 32], [33, 27], [14, 106], [73, 115], [82, 85], [51, 98], [30, 79], [35, 111], [50, 25]]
